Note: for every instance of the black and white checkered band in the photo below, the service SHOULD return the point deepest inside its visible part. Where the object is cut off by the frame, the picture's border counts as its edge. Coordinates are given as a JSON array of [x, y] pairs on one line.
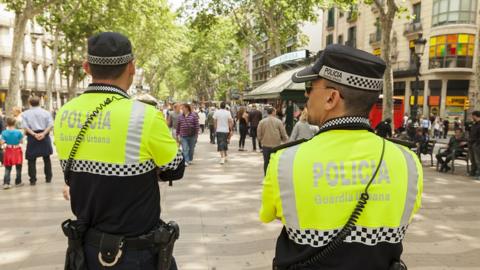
[[173, 165], [110, 61], [110, 169], [350, 79], [363, 235], [105, 88], [353, 122]]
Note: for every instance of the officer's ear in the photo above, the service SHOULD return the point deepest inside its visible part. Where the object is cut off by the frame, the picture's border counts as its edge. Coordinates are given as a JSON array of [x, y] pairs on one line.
[[86, 68], [131, 68], [333, 99]]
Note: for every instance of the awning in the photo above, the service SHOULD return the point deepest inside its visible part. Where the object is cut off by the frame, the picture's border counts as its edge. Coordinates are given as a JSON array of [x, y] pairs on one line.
[[275, 86]]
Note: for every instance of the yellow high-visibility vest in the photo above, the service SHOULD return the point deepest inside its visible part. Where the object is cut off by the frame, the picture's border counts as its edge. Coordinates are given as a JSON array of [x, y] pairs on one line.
[[313, 188]]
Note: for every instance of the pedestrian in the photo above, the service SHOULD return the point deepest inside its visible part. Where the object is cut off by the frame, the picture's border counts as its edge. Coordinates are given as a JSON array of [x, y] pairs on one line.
[[421, 140], [242, 118], [113, 171], [453, 150], [211, 124], [17, 113], [425, 125], [289, 124], [187, 132], [13, 156], [202, 119], [446, 126], [254, 117], [384, 128], [223, 126], [173, 119], [457, 123], [437, 128], [319, 188], [271, 133], [37, 124], [302, 129], [474, 145]]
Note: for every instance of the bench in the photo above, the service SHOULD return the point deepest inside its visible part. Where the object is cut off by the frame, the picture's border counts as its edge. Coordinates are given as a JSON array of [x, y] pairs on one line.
[[428, 150], [463, 154]]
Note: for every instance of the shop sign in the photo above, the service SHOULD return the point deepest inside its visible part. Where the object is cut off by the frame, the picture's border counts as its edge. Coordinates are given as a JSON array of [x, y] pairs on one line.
[[419, 101], [434, 101], [377, 52], [289, 57], [456, 101]]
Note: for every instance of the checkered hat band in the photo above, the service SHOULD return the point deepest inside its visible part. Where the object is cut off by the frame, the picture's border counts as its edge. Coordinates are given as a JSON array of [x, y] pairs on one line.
[[110, 61], [363, 235], [350, 79], [110, 169]]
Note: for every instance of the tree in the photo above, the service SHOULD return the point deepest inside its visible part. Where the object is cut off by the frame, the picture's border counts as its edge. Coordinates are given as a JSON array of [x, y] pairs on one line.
[[25, 10]]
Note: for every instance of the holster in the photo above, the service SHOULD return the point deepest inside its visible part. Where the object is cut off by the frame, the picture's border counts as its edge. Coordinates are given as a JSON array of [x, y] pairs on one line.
[[164, 238], [75, 256]]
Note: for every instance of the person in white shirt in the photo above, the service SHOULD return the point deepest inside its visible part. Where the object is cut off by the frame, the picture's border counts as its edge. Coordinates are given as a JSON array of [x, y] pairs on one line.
[[202, 118], [223, 125]]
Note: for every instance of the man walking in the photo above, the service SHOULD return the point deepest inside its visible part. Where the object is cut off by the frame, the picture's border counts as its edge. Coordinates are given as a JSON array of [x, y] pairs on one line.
[[38, 123], [223, 125], [211, 124], [474, 145], [271, 133], [254, 117]]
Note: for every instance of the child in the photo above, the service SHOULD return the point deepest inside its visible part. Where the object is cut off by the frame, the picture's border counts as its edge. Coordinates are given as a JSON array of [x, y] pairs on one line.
[[12, 137]]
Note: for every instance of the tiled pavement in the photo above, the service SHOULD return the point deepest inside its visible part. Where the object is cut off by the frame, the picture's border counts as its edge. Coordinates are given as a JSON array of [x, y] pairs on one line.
[[217, 207]]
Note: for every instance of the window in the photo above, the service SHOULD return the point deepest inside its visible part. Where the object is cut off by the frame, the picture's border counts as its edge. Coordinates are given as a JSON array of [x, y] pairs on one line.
[[451, 51], [340, 39], [417, 10], [329, 39], [331, 18], [352, 37], [453, 11]]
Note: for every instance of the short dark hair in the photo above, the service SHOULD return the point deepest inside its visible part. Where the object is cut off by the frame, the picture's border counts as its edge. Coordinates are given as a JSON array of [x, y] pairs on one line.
[[34, 101], [357, 102], [10, 121], [188, 106], [223, 105], [458, 129], [107, 72], [476, 113], [270, 110]]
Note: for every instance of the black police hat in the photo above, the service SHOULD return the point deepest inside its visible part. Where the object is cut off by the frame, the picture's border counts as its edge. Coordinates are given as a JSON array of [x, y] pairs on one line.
[[109, 49], [345, 65]]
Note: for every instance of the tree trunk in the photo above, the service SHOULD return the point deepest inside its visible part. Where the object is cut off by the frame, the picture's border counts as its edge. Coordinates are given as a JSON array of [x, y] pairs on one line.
[[475, 104], [72, 88], [13, 95], [387, 23], [51, 78]]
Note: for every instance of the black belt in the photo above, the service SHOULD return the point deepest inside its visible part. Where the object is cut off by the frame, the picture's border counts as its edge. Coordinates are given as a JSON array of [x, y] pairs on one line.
[[95, 238]]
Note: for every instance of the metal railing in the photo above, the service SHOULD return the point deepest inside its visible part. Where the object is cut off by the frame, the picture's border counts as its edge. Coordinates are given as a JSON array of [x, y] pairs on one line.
[[375, 37], [413, 27]]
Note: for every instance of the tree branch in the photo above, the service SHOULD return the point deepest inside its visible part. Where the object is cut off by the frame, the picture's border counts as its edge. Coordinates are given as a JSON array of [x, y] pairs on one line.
[[40, 8]]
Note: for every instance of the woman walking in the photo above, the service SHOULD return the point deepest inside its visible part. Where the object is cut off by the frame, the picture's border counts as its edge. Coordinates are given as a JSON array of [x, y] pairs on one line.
[[303, 130], [242, 117], [187, 131]]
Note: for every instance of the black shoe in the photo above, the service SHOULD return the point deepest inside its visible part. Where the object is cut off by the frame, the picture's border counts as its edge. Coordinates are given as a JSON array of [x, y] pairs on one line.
[[33, 183], [48, 181], [447, 168]]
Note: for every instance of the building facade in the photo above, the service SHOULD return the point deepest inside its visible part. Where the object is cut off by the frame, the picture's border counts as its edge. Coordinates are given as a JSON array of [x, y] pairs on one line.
[[448, 64], [36, 63]]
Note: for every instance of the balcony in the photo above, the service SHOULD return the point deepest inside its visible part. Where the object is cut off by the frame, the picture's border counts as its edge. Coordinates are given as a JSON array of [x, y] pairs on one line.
[[375, 39], [413, 29], [403, 69], [352, 16], [351, 43]]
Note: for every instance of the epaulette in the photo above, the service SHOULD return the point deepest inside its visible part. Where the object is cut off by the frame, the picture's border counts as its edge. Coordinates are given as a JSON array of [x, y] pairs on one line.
[[287, 145]]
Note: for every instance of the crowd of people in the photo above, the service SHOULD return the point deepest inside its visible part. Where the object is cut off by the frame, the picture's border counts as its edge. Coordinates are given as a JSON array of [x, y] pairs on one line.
[[35, 124]]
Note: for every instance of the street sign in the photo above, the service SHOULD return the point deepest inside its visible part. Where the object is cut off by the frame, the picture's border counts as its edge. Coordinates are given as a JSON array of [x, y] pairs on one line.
[[467, 104], [289, 57]]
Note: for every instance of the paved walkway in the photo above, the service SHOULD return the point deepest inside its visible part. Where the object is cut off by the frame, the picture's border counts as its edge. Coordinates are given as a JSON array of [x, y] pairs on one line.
[[217, 207]]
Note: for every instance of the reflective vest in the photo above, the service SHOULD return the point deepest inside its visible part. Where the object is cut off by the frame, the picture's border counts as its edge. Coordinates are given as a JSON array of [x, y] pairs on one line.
[[313, 188], [126, 138]]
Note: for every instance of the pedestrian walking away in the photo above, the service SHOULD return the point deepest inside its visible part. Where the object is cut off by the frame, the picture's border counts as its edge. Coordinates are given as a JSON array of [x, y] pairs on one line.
[[254, 118], [346, 174], [173, 119], [13, 156], [242, 117], [112, 166], [474, 145], [37, 124], [187, 132], [223, 126], [211, 125], [302, 129], [202, 119], [271, 133]]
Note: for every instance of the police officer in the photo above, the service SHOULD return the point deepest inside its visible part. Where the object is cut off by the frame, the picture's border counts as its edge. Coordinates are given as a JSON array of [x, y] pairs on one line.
[[345, 177], [113, 162]]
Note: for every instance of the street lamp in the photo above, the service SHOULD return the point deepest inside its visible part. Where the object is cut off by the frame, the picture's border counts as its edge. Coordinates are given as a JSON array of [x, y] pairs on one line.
[[419, 47]]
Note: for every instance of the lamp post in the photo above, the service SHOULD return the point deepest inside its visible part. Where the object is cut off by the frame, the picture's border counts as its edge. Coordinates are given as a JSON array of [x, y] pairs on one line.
[[419, 47]]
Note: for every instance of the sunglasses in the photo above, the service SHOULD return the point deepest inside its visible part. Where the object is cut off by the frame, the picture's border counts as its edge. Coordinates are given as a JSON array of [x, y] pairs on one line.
[[309, 88]]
